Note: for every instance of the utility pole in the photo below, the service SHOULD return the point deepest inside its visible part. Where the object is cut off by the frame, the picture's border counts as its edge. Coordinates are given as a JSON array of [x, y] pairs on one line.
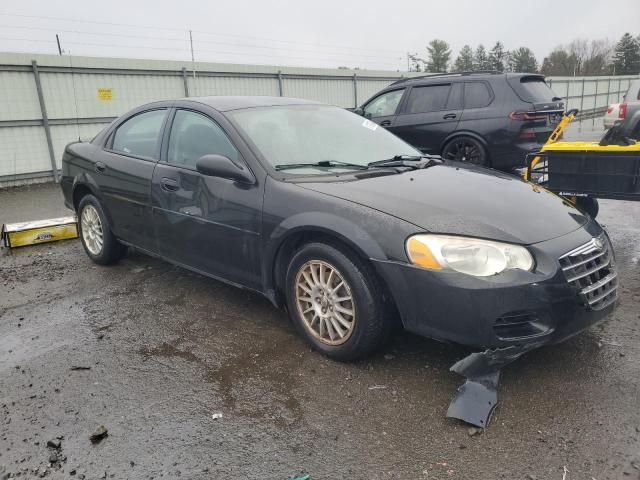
[[58, 41], [193, 61]]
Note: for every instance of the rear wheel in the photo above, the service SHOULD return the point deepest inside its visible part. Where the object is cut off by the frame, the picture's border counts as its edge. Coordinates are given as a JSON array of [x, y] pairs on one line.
[[465, 149], [336, 302], [95, 233]]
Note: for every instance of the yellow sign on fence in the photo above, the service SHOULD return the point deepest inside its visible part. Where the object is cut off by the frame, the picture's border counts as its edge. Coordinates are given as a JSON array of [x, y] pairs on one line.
[[105, 94]]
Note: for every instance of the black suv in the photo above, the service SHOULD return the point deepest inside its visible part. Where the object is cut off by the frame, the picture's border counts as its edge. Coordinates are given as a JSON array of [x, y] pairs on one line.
[[491, 119]]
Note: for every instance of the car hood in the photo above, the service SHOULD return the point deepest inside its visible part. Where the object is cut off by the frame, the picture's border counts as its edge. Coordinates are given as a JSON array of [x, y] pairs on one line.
[[462, 200]]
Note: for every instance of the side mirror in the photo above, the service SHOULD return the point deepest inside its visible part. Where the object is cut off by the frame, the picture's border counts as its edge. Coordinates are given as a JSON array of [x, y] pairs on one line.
[[223, 167], [359, 111]]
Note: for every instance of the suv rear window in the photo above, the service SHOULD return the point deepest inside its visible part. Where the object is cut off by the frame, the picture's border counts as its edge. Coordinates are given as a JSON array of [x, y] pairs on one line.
[[532, 89], [427, 99]]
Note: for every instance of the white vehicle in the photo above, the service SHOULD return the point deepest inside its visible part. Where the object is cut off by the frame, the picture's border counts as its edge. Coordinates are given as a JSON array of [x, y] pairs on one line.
[[612, 116]]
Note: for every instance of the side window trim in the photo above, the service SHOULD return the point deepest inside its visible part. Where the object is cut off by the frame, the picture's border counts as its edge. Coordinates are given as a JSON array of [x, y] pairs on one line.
[[167, 135], [108, 144], [489, 89]]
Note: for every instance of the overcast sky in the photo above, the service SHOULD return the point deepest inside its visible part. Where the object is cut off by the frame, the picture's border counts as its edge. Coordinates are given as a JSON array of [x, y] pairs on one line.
[[323, 33]]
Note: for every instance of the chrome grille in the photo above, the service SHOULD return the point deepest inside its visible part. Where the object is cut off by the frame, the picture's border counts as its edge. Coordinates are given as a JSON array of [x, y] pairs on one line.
[[590, 268]]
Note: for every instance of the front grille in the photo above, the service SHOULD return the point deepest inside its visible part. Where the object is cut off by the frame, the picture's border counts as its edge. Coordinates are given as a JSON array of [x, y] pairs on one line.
[[590, 268]]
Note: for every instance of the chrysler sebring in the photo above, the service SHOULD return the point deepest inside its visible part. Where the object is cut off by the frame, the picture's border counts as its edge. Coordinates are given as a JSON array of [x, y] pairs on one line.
[[341, 222]]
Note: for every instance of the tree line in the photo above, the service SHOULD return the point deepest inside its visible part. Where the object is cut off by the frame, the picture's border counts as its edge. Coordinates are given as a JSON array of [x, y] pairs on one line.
[[580, 57]]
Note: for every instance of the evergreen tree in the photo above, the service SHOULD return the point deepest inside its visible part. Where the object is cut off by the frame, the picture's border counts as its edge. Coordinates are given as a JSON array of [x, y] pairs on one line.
[[439, 54], [626, 56], [497, 57], [481, 59], [523, 60], [464, 62]]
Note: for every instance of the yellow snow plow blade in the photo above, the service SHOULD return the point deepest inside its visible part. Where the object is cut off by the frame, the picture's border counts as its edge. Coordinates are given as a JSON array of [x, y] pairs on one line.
[[41, 231]]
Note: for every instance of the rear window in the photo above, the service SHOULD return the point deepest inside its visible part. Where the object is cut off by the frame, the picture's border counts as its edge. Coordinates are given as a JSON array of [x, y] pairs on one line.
[[532, 89], [476, 95]]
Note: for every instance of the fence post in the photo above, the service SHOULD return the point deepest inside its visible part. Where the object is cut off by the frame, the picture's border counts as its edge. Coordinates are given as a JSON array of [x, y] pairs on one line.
[[608, 90], [45, 121], [582, 96], [568, 90], [355, 91], [280, 83], [185, 82]]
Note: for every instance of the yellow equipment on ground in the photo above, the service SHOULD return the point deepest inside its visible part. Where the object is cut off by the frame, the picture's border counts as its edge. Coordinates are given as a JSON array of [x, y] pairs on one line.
[[41, 231], [585, 171]]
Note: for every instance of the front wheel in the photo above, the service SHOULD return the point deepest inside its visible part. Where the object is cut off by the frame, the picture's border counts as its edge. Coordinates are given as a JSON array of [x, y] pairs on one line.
[[95, 233], [465, 149], [336, 302]]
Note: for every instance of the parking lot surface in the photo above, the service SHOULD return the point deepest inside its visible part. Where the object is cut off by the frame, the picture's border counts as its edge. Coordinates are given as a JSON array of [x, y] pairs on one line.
[[154, 353]]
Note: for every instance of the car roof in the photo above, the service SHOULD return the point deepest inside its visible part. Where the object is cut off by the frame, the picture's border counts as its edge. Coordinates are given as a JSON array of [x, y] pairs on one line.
[[226, 103], [438, 77]]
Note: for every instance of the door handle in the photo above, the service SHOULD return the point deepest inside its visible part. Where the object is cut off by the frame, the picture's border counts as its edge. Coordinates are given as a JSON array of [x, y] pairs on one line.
[[99, 167], [385, 123], [169, 185], [449, 116]]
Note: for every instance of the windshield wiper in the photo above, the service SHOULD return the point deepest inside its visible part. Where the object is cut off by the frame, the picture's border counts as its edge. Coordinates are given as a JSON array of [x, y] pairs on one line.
[[411, 161], [322, 163]]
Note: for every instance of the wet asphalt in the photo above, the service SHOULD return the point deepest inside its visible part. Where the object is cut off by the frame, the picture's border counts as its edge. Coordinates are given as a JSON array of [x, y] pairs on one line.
[[154, 353]]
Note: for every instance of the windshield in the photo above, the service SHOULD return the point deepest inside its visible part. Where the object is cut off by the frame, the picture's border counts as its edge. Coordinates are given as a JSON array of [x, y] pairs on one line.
[[312, 134]]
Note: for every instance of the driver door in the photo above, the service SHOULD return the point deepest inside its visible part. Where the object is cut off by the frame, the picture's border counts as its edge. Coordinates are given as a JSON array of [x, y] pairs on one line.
[[207, 223]]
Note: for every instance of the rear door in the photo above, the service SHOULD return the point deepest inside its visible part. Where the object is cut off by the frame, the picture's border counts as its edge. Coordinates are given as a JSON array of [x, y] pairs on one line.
[[383, 108], [208, 223], [429, 115], [123, 173]]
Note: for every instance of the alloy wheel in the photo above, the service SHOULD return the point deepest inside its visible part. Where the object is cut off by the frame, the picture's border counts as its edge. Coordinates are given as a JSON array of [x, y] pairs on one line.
[[464, 150], [325, 302], [92, 233]]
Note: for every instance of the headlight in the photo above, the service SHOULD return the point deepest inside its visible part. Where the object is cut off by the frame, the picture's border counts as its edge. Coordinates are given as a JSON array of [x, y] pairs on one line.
[[473, 256]]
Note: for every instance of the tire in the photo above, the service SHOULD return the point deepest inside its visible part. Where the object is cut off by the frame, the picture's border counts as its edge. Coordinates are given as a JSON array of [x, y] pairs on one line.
[[95, 234], [466, 149], [370, 322], [588, 205]]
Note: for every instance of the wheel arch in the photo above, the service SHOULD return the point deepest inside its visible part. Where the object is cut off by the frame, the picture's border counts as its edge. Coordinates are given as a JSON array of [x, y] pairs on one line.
[[287, 239], [84, 185], [465, 133]]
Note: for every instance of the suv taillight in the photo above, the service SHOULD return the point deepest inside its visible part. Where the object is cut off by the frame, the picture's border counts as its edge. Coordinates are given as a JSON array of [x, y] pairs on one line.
[[526, 116], [622, 111]]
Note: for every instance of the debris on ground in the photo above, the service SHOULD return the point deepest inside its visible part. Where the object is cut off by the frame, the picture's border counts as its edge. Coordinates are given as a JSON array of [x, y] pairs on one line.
[[389, 356], [473, 431], [54, 443], [216, 416], [4, 475], [476, 399], [80, 367], [377, 387], [100, 433], [305, 477]]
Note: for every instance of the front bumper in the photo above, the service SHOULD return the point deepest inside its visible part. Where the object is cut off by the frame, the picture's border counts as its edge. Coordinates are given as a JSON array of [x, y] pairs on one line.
[[513, 308]]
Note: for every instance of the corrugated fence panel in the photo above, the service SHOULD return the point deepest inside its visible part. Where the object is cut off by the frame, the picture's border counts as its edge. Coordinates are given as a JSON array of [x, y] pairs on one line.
[[18, 97], [23, 150], [104, 95], [335, 92], [368, 88], [207, 85]]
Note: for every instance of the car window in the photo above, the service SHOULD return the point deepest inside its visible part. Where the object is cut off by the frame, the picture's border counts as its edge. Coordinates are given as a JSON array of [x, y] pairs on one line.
[[476, 95], [431, 98], [386, 104], [140, 134], [194, 135]]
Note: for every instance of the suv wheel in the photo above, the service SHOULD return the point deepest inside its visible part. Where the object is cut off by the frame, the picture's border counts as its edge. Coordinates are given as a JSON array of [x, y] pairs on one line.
[[465, 149], [95, 233], [336, 302]]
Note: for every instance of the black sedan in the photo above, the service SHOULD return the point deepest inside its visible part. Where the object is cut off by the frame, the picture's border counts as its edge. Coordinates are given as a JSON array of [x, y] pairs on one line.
[[342, 222]]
